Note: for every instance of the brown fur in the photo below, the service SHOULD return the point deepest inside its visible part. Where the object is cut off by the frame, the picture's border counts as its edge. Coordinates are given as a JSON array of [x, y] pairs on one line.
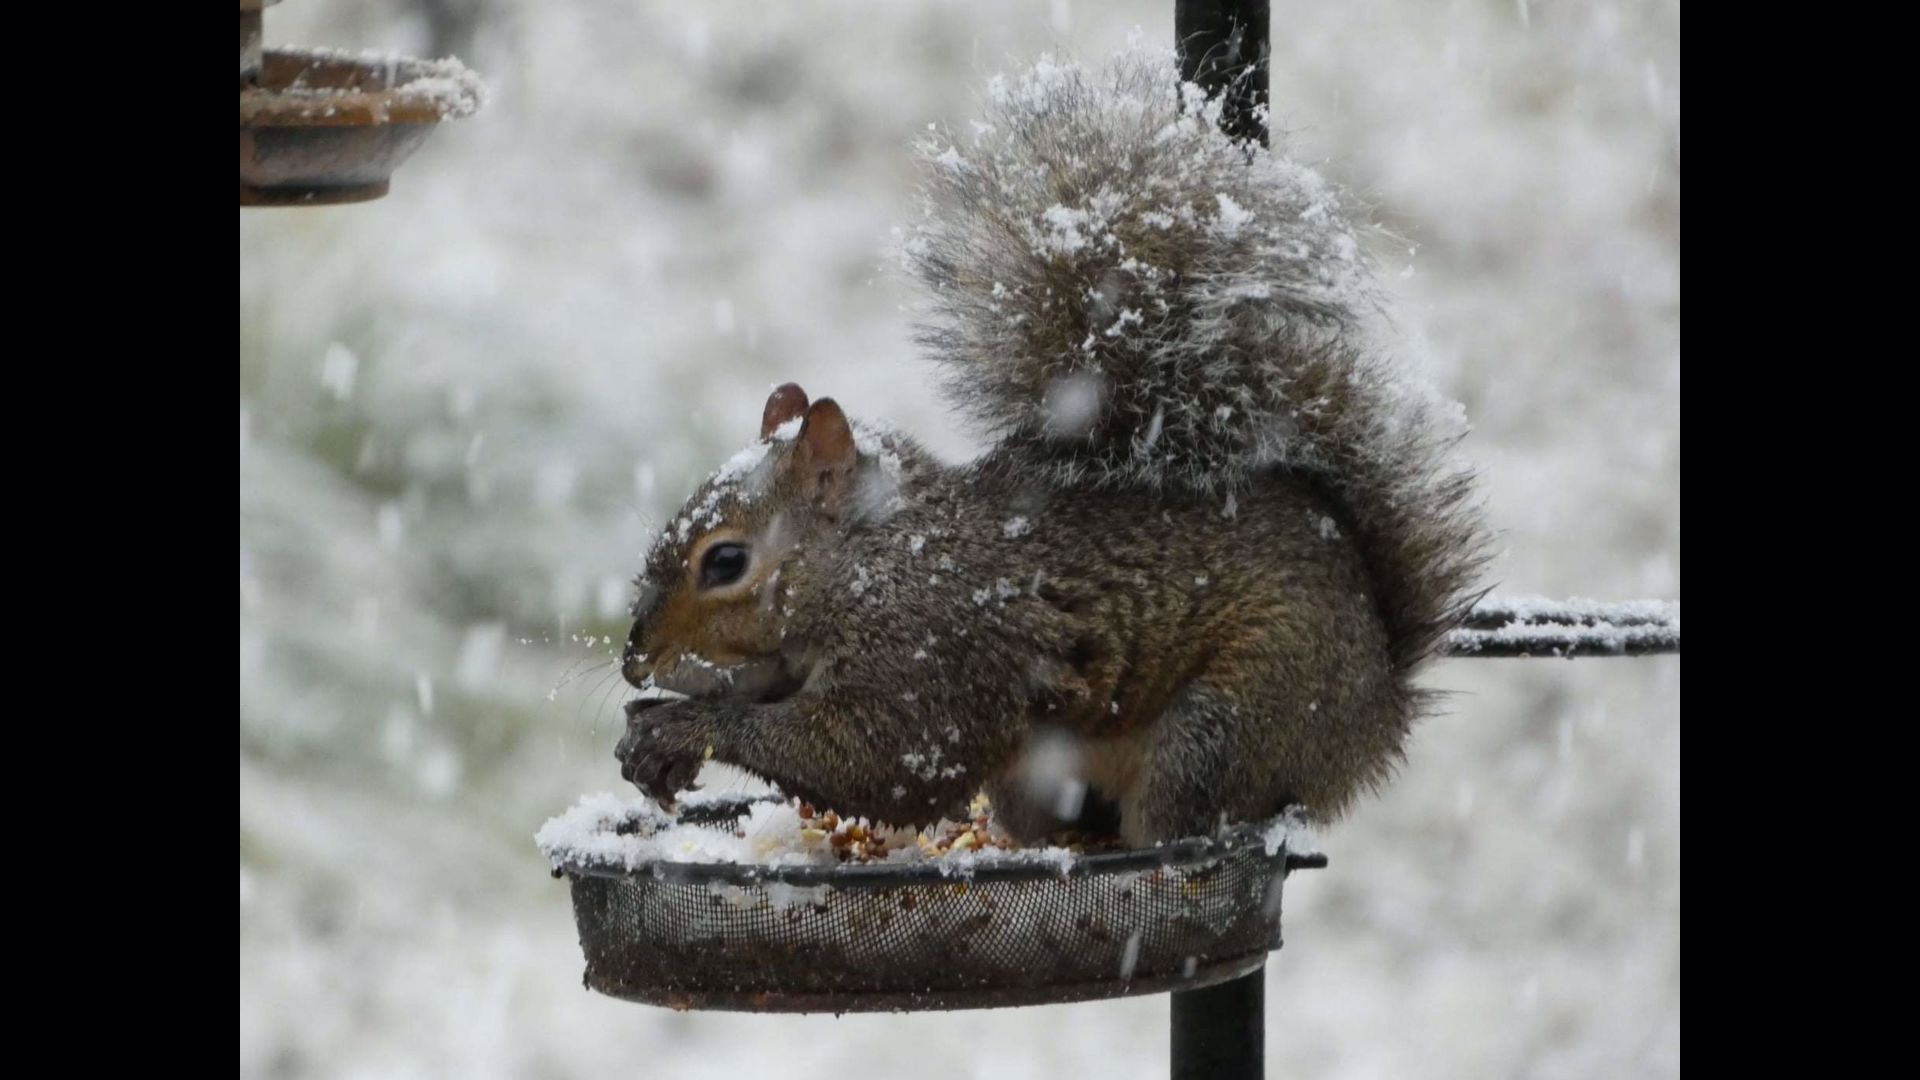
[[892, 663]]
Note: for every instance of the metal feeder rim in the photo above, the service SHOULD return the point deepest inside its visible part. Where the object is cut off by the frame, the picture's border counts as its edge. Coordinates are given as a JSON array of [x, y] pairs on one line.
[[842, 1003], [1176, 854], [375, 90]]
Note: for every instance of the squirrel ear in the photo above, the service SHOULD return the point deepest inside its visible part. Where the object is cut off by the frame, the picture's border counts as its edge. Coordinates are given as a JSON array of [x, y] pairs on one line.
[[783, 404], [824, 455]]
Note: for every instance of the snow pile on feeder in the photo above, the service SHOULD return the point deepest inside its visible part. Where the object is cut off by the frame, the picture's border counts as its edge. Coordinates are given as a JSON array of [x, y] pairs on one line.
[[635, 833]]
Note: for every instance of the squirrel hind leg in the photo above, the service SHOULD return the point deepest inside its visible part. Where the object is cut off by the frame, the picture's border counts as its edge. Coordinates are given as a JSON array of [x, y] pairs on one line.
[[1238, 747]]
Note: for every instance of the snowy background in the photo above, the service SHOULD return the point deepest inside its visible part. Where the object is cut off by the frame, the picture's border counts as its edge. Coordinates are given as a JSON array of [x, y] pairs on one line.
[[464, 408]]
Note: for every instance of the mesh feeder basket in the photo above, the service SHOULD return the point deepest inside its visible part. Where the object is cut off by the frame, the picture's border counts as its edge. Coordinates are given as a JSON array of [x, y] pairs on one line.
[[1020, 928]]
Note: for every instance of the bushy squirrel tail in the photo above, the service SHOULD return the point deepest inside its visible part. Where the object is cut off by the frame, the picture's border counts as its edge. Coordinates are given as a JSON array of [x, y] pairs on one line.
[[1125, 296]]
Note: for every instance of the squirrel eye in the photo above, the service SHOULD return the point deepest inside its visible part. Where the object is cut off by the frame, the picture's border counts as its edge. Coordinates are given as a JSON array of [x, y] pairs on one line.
[[722, 565]]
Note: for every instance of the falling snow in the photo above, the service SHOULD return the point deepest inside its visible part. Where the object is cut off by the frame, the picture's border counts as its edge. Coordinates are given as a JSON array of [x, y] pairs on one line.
[[538, 302]]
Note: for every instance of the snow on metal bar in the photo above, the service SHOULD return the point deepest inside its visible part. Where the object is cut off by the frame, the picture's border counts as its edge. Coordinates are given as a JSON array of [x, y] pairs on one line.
[[1532, 626]]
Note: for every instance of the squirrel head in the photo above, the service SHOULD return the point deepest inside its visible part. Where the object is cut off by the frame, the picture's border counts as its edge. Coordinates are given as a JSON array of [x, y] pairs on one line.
[[711, 613]]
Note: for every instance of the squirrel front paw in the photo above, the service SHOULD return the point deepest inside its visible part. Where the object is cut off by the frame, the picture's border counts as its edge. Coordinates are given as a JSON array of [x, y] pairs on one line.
[[661, 752]]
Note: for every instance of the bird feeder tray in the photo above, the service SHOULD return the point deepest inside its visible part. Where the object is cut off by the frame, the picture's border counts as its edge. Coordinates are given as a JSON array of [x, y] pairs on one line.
[[321, 126], [1014, 930]]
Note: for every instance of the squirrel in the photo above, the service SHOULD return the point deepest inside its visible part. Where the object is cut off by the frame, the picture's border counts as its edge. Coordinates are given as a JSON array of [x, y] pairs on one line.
[[1192, 581]]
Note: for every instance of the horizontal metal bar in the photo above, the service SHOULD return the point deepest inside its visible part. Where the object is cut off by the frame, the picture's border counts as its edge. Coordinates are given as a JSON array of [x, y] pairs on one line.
[[1529, 627]]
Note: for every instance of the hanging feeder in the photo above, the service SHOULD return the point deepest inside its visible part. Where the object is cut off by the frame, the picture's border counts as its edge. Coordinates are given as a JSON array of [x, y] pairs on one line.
[[324, 126]]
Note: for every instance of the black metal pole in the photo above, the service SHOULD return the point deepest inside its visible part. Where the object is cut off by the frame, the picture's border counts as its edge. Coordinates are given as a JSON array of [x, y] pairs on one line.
[[1219, 1033], [1223, 47]]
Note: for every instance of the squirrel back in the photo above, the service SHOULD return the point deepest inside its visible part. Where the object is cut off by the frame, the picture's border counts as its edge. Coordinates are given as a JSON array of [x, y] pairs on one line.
[[1127, 297]]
